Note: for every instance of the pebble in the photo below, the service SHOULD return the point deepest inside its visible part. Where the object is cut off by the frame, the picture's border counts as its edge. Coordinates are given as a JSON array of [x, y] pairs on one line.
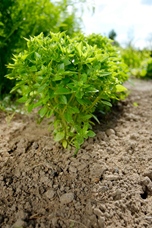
[[146, 181], [117, 194], [110, 132], [134, 136], [103, 189], [49, 194], [72, 169], [112, 177], [19, 223], [85, 157], [67, 198], [97, 170], [101, 135], [148, 172], [35, 145], [97, 212]]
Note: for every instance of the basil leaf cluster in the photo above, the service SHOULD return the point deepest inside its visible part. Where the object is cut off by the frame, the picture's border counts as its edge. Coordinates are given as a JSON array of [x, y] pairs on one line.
[[69, 79]]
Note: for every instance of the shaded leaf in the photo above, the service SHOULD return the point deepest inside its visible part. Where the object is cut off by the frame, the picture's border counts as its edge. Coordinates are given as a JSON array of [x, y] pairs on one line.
[[107, 103], [62, 90], [63, 99], [43, 111]]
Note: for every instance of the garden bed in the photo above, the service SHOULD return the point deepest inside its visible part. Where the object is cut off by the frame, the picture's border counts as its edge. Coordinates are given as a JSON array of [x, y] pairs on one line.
[[108, 184]]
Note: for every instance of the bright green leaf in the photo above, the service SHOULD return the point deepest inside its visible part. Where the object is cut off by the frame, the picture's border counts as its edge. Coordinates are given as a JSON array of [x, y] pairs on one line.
[[120, 88], [64, 144], [104, 74]]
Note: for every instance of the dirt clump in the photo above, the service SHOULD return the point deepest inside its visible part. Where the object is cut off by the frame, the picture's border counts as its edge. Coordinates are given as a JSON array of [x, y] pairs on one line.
[[108, 184]]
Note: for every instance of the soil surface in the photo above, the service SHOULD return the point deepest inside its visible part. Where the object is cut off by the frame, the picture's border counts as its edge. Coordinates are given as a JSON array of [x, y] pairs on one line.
[[108, 184]]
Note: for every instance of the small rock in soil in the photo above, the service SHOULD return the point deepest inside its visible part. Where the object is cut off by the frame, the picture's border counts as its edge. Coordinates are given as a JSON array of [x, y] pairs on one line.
[[67, 198], [110, 132], [50, 194], [19, 223], [97, 212]]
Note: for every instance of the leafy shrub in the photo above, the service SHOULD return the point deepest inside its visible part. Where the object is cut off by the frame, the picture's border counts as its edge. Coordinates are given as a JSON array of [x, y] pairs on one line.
[[68, 78]]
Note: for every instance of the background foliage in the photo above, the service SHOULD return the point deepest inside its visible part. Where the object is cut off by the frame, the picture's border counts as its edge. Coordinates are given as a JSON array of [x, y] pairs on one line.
[[25, 18], [138, 61]]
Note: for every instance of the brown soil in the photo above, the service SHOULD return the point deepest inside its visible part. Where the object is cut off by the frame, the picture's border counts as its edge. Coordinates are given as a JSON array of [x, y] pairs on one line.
[[108, 184]]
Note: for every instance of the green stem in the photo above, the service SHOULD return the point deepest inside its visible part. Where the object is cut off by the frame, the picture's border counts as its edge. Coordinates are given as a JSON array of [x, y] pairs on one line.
[[95, 101], [71, 98]]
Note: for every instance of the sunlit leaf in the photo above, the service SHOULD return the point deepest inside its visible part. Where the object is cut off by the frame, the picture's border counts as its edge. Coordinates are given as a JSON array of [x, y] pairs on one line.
[[64, 144], [120, 88], [59, 136]]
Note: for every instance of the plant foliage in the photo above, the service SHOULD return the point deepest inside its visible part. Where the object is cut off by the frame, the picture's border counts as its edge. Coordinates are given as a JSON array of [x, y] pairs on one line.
[[68, 78], [139, 62]]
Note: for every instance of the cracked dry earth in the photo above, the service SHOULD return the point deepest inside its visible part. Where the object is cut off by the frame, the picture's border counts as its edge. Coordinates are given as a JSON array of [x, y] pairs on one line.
[[108, 184]]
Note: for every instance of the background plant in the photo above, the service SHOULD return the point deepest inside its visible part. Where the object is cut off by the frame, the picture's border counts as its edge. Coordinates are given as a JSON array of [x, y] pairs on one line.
[[138, 61], [25, 18], [68, 78]]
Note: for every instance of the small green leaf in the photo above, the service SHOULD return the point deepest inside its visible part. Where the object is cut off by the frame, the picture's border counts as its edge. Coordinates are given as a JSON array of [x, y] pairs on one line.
[[37, 55], [101, 59], [61, 66], [42, 88], [62, 90], [104, 74], [120, 88], [66, 62], [33, 68], [64, 144], [59, 136], [22, 100], [107, 103], [79, 140], [37, 104], [68, 116], [91, 133], [30, 107], [62, 99], [96, 119], [73, 109], [79, 48], [89, 60], [135, 104], [43, 111]]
